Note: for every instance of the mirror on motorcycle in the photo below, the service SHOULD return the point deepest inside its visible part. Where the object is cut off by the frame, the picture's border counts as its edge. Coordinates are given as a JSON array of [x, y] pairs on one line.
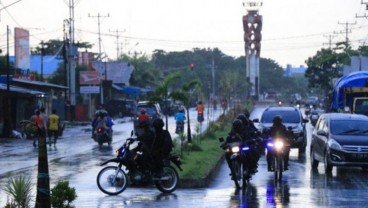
[[131, 133], [221, 139]]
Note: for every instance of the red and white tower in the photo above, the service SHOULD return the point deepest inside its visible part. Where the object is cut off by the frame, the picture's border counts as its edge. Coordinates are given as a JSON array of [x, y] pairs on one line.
[[252, 24]]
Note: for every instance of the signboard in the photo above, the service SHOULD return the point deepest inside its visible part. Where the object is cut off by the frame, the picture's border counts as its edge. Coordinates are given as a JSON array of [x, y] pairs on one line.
[[21, 49], [89, 78], [89, 89]]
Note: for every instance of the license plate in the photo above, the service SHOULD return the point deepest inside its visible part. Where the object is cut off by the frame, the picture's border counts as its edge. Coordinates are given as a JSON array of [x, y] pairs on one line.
[[314, 117]]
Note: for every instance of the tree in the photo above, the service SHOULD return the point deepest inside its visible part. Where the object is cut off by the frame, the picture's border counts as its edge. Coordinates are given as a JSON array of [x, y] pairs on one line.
[[162, 91], [54, 47], [324, 66], [184, 95]]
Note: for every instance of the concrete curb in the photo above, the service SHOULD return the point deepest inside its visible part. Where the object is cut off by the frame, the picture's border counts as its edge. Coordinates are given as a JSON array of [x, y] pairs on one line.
[[202, 182]]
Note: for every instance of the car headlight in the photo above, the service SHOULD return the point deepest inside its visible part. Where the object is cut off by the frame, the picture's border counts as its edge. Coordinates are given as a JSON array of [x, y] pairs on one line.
[[333, 144]]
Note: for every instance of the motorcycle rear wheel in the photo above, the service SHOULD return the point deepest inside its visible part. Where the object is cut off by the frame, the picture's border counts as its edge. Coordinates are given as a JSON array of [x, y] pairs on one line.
[[169, 180], [112, 180]]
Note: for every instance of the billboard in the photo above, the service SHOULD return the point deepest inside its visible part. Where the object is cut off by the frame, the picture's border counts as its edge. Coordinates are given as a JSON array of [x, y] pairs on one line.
[[89, 78], [22, 48]]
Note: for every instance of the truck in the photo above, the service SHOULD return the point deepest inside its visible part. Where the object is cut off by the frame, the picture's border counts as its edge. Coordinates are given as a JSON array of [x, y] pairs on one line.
[[350, 93]]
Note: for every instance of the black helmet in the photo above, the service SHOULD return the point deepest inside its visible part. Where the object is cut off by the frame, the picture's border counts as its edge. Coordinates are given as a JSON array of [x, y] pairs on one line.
[[237, 124], [243, 118], [277, 120], [158, 123], [246, 113]]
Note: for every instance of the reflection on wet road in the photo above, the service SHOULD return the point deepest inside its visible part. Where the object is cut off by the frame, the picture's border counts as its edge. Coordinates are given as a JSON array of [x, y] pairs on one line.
[[78, 161]]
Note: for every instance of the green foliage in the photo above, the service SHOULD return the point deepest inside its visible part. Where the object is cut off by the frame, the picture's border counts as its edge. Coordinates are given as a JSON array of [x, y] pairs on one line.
[[62, 195], [19, 188], [322, 68]]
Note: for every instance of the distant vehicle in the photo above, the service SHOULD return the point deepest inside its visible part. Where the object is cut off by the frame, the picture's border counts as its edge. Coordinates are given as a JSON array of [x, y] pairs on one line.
[[291, 117], [296, 99], [340, 139], [121, 107], [311, 101], [167, 107], [153, 110], [313, 117], [115, 107], [350, 93]]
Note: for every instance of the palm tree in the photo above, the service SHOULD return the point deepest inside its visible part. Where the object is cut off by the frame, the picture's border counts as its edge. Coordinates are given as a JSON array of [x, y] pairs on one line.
[[162, 92], [184, 95]]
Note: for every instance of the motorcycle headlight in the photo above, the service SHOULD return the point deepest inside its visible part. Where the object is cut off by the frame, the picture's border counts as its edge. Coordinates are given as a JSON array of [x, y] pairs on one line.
[[333, 144], [279, 144], [235, 149]]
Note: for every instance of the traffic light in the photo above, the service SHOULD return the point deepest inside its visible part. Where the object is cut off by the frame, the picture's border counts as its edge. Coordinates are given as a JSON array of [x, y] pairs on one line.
[[191, 66]]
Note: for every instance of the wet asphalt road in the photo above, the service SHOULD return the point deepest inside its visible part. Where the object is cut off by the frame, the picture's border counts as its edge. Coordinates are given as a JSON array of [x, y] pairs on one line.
[[76, 158]]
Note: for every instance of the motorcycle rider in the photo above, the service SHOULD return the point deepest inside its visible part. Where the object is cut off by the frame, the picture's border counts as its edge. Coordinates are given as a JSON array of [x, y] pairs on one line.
[[235, 135], [102, 119], [278, 130], [200, 111], [180, 118], [146, 137], [161, 145], [250, 134]]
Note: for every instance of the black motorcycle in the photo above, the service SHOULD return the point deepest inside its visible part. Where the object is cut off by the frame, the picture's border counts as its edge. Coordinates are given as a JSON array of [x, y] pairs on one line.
[[241, 156], [132, 167], [102, 135], [278, 147]]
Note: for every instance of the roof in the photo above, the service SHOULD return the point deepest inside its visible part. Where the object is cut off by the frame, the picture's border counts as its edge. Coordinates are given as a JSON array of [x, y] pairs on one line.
[[118, 72], [354, 79], [281, 108], [345, 116], [22, 90], [38, 83], [50, 63]]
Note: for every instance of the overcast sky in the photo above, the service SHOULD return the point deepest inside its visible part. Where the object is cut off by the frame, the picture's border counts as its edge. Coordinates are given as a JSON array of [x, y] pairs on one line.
[[293, 30]]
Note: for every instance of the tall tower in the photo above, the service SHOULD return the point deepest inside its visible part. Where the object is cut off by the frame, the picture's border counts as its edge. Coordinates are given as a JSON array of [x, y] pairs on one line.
[[252, 25]]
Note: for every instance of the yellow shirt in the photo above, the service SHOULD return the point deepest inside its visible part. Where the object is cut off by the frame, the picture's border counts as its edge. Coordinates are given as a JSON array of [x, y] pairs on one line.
[[53, 122]]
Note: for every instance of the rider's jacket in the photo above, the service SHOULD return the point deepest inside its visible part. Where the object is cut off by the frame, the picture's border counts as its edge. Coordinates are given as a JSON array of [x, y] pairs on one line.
[[180, 117], [279, 131]]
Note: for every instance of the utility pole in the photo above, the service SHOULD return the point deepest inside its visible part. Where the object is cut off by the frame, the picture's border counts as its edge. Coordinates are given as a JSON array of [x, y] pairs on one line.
[[117, 42], [329, 40], [99, 30], [347, 31]]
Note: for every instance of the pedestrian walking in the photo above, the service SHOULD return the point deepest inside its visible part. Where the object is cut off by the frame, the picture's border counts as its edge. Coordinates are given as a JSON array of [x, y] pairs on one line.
[[53, 125], [38, 120]]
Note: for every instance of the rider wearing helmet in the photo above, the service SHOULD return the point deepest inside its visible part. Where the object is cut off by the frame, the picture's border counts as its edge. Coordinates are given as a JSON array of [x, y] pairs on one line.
[[235, 135], [180, 118], [250, 134], [278, 130], [161, 146]]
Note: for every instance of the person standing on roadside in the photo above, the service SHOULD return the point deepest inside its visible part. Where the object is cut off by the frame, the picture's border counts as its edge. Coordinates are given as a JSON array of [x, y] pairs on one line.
[[53, 123], [38, 120]]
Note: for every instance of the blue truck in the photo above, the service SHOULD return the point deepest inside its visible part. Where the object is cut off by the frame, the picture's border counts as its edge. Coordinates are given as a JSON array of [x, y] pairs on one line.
[[350, 93]]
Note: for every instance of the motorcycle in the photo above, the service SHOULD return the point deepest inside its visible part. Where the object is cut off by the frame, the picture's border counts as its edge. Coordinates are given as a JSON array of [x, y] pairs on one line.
[[314, 117], [278, 147], [131, 167], [200, 117], [179, 128], [102, 135], [241, 157]]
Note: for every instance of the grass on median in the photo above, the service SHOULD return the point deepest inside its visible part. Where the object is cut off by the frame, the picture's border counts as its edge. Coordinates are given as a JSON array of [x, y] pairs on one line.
[[204, 152]]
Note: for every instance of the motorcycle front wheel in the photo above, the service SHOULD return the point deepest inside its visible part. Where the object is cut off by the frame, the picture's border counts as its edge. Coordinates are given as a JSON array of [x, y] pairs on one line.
[[169, 180], [279, 168], [236, 174], [112, 180]]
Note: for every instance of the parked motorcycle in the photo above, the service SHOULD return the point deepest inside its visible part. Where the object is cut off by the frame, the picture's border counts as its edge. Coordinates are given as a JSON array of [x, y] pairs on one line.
[[278, 146], [131, 167], [240, 160], [102, 135]]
